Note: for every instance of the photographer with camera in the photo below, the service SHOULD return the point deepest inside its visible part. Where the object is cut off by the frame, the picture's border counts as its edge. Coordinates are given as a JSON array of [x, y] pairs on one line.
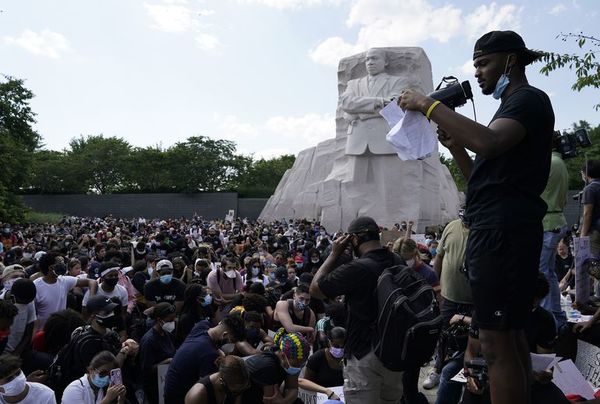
[[504, 207]]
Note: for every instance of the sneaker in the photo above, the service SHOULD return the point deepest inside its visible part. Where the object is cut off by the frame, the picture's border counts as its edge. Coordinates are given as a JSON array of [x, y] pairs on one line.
[[431, 381]]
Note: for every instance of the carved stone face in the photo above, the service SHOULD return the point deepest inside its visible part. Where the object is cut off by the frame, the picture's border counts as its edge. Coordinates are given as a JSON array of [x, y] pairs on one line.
[[375, 62]]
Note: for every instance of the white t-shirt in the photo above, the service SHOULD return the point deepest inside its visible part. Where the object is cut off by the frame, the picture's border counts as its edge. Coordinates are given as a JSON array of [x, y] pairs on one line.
[[38, 394], [52, 297], [119, 291], [80, 392], [25, 316]]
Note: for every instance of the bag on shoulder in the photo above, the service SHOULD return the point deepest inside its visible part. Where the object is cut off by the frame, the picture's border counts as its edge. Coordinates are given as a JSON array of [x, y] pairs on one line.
[[409, 322]]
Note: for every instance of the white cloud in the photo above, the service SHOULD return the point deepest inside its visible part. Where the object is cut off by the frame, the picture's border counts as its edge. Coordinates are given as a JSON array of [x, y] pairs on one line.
[[330, 51], [291, 4], [299, 132], [175, 16], [171, 17], [557, 9], [45, 43], [467, 68], [412, 22], [207, 41]]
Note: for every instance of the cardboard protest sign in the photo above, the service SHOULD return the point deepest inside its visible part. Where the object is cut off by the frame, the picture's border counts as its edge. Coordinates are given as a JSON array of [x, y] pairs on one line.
[[310, 397], [588, 362], [162, 375]]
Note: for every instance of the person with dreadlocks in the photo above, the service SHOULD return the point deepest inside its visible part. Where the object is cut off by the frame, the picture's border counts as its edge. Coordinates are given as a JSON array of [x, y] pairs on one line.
[[278, 366]]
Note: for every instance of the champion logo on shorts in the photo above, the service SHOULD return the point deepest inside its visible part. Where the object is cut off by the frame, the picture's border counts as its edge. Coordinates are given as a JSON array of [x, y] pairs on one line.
[[498, 313]]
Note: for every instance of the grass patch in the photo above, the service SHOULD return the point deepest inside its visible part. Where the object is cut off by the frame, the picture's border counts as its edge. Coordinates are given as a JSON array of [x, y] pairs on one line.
[[43, 217]]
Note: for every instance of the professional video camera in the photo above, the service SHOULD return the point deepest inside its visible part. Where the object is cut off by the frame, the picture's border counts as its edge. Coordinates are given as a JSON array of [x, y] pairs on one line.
[[455, 94], [478, 370], [566, 143]]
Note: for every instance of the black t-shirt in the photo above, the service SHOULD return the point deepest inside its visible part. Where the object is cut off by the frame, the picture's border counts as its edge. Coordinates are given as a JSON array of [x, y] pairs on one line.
[[357, 280], [155, 348], [504, 191], [264, 369], [563, 265], [194, 359], [139, 280], [591, 195], [326, 376], [158, 292]]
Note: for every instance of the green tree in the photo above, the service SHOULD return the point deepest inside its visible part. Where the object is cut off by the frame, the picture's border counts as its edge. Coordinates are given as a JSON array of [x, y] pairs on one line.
[[100, 164], [18, 140], [149, 170], [263, 176], [586, 68], [459, 179], [204, 164], [53, 172]]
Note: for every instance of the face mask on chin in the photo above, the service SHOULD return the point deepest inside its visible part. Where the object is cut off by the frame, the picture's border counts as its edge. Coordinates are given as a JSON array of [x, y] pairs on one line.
[[502, 82]]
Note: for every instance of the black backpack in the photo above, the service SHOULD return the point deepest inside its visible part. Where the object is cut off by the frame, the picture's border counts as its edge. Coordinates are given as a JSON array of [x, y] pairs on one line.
[[67, 365], [409, 321]]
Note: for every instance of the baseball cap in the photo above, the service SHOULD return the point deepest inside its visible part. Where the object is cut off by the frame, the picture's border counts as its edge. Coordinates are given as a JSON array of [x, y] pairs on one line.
[[38, 255], [125, 270], [11, 269], [100, 303], [363, 224], [164, 264], [504, 41]]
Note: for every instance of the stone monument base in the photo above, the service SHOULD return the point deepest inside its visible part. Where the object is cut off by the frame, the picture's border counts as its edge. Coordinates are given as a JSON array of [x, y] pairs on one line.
[[327, 185]]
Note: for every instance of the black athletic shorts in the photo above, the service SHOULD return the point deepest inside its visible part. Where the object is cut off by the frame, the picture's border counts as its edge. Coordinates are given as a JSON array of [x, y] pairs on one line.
[[503, 265]]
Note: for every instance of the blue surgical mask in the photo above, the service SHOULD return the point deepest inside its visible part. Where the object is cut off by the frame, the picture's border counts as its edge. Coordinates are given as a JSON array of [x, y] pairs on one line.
[[433, 251], [299, 265], [207, 301], [100, 382], [502, 83], [166, 278]]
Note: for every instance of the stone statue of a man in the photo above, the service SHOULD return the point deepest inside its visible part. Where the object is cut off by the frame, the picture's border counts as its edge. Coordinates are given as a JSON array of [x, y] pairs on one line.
[[361, 102]]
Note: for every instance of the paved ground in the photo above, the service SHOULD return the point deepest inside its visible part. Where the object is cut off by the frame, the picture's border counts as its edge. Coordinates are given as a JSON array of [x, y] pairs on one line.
[[430, 394]]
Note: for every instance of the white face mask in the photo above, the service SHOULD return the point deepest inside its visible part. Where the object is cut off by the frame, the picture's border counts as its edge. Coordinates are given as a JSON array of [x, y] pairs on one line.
[[27, 255], [15, 386], [410, 262], [150, 270], [169, 327], [8, 284]]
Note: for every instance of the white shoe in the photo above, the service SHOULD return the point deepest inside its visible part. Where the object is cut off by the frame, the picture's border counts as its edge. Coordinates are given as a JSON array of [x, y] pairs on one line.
[[431, 381]]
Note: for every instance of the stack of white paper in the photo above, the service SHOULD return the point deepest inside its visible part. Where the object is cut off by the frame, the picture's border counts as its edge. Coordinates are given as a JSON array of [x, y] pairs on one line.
[[411, 134], [543, 362]]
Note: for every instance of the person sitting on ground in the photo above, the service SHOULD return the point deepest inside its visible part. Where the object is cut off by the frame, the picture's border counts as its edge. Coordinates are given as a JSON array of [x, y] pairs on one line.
[[88, 341], [197, 306], [156, 348], [16, 388], [53, 287], [295, 315], [196, 357], [225, 386], [22, 293], [255, 335], [335, 316], [93, 387], [325, 366], [109, 288], [165, 288], [274, 373]]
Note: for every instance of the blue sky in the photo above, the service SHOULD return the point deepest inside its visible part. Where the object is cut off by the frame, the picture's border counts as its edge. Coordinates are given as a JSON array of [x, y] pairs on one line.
[[262, 73]]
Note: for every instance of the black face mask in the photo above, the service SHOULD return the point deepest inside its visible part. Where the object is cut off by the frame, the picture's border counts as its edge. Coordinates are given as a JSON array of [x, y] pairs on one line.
[[112, 282], [60, 269], [109, 321]]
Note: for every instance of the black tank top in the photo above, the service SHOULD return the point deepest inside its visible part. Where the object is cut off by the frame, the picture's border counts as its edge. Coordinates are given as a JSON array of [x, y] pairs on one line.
[[210, 392]]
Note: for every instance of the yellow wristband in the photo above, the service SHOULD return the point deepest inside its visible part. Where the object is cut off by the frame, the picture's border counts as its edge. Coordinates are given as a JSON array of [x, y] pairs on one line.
[[431, 108]]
